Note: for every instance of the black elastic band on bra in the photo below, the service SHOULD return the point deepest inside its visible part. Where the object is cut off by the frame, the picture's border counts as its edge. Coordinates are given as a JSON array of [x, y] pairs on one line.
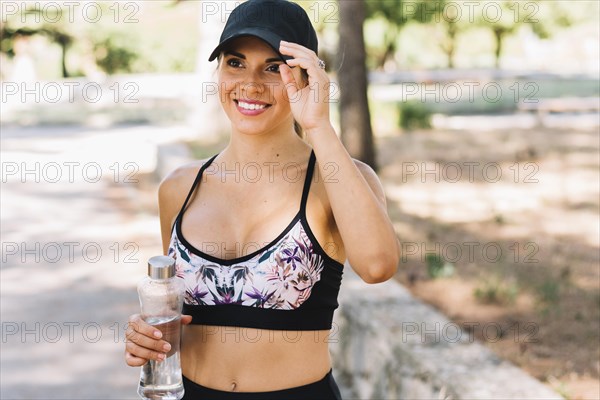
[[299, 319], [305, 189], [307, 182], [196, 181]]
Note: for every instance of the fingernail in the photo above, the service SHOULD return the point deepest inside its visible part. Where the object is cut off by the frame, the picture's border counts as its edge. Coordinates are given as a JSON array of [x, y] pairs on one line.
[[157, 334], [167, 347], [161, 356]]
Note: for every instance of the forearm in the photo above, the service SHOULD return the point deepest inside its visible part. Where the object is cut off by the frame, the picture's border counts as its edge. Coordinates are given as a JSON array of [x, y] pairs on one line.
[[369, 238]]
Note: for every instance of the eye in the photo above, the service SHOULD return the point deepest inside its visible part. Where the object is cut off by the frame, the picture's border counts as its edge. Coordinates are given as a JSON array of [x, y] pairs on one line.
[[234, 62], [273, 68]]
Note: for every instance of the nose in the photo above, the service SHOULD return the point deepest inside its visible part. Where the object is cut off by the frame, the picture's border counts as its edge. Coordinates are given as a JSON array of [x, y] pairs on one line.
[[251, 85]]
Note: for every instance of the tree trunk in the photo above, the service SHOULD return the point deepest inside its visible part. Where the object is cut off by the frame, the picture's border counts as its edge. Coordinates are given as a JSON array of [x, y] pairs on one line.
[[498, 34], [390, 38], [63, 60], [355, 124], [451, 44]]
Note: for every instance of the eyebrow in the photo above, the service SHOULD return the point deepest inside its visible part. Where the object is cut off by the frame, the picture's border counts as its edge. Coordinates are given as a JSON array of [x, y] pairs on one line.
[[243, 57]]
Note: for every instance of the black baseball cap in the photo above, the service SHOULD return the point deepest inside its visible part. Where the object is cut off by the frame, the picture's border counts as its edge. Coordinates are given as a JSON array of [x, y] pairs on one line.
[[271, 21]]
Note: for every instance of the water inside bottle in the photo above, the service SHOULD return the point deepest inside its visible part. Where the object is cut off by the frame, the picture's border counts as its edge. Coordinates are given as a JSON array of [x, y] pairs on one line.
[[162, 380]]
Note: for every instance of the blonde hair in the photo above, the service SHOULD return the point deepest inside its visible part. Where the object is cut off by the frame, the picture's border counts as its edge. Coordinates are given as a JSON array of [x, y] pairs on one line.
[[298, 129]]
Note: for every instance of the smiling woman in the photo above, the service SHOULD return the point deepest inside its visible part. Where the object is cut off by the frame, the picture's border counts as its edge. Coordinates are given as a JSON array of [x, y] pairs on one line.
[[262, 257], [250, 84]]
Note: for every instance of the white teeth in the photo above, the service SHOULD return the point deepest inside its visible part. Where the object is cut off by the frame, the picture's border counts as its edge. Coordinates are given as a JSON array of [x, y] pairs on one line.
[[248, 106]]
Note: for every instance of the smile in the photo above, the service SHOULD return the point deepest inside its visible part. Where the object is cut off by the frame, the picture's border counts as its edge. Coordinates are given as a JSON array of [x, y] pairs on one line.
[[253, 108], [250, 106]]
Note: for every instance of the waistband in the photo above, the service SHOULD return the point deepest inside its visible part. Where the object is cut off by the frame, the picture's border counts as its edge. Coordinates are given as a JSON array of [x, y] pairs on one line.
[[323, 389]]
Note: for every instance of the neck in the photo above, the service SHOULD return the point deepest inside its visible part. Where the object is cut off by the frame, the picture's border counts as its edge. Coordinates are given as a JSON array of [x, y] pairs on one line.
[[281, 146]]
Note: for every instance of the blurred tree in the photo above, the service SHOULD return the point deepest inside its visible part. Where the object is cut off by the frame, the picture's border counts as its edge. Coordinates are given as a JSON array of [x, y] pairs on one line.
[[56, 32], [53, 33], [544, 18], [108, 39], [551, 16], [396, 14], [64, 40], [355, 119], [454, 25], [509, 16], [502, 18], [453, 18], [113, 57]]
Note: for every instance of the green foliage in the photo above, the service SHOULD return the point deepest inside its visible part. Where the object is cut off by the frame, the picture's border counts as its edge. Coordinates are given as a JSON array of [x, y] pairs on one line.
[[495, 290], [400, 12], [552, 16], [394, 14], [549, 291], [451, 19], [437, 267], [414, 114], [114, 57], [126, 39]]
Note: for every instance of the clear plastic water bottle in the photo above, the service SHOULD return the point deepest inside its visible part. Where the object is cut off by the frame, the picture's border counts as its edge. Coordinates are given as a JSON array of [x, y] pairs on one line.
[[161, 301]]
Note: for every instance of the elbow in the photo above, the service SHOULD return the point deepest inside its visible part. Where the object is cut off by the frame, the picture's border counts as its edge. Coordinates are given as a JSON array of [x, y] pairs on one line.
[[381, 271]]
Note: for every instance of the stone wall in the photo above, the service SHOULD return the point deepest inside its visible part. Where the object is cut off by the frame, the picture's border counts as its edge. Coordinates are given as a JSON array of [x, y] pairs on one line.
[[388, 345]]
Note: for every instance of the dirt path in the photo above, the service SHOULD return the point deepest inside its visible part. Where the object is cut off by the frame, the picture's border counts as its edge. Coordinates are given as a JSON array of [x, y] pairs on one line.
[[511, 217], [72, 255]]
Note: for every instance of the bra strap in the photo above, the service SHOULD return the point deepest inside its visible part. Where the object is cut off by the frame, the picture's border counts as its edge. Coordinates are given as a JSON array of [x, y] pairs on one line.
[[307, 180], [196, 181]]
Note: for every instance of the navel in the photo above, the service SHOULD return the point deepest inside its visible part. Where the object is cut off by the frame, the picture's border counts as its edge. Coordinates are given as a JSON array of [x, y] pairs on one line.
[[233, 385]]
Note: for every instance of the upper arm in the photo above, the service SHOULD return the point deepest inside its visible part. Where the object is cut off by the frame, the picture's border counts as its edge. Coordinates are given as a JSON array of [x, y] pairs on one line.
[[172, 192], [373, 181]]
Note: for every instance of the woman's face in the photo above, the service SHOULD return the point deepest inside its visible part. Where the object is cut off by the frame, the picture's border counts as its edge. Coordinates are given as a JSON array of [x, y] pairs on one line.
[[251, 89]]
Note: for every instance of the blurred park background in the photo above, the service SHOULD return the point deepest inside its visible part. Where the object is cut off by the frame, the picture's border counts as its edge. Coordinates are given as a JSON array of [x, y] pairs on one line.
[[480, 117]]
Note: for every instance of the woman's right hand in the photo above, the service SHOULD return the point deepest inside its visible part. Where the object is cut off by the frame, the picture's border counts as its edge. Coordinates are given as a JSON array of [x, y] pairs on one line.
[[144, 341]]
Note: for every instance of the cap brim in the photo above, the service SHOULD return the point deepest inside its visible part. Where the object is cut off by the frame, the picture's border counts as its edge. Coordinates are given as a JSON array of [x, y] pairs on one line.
[[270, 38]]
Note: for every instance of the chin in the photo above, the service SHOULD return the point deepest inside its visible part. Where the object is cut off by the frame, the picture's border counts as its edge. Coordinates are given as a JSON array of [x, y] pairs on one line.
[[249, 129]]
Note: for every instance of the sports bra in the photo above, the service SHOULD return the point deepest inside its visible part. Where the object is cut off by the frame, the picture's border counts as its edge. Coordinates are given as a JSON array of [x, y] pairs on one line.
[[289, 284]]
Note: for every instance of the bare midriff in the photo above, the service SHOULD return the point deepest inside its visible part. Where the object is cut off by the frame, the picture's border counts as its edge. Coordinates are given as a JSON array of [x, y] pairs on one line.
[[244, 359]]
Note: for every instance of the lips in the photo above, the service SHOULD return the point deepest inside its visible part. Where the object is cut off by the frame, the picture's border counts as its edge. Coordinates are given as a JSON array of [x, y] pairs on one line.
[[251, 107]]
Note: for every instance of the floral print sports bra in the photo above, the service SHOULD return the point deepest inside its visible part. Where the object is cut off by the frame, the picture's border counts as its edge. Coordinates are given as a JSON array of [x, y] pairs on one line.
[[289, 284]]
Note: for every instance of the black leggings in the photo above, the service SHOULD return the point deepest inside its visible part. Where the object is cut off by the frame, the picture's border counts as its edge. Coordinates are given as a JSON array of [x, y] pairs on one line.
[[324, 389]]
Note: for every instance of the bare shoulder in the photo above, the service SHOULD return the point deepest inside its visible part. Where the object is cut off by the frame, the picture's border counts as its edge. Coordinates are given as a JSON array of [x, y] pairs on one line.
[[174, 188], [372, 179], [180, 177]]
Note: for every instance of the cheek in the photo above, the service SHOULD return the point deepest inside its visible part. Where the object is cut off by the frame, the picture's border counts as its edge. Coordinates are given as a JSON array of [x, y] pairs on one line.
[[223, 92], [282, 97], [225, 86], [279, 92]]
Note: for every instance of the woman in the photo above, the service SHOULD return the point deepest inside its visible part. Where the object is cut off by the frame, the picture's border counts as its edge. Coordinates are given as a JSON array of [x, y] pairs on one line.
[[261, 290]]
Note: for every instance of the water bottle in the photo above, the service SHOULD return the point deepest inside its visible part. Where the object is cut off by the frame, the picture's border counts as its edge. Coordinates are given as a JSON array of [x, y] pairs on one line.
[[161, 301]]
